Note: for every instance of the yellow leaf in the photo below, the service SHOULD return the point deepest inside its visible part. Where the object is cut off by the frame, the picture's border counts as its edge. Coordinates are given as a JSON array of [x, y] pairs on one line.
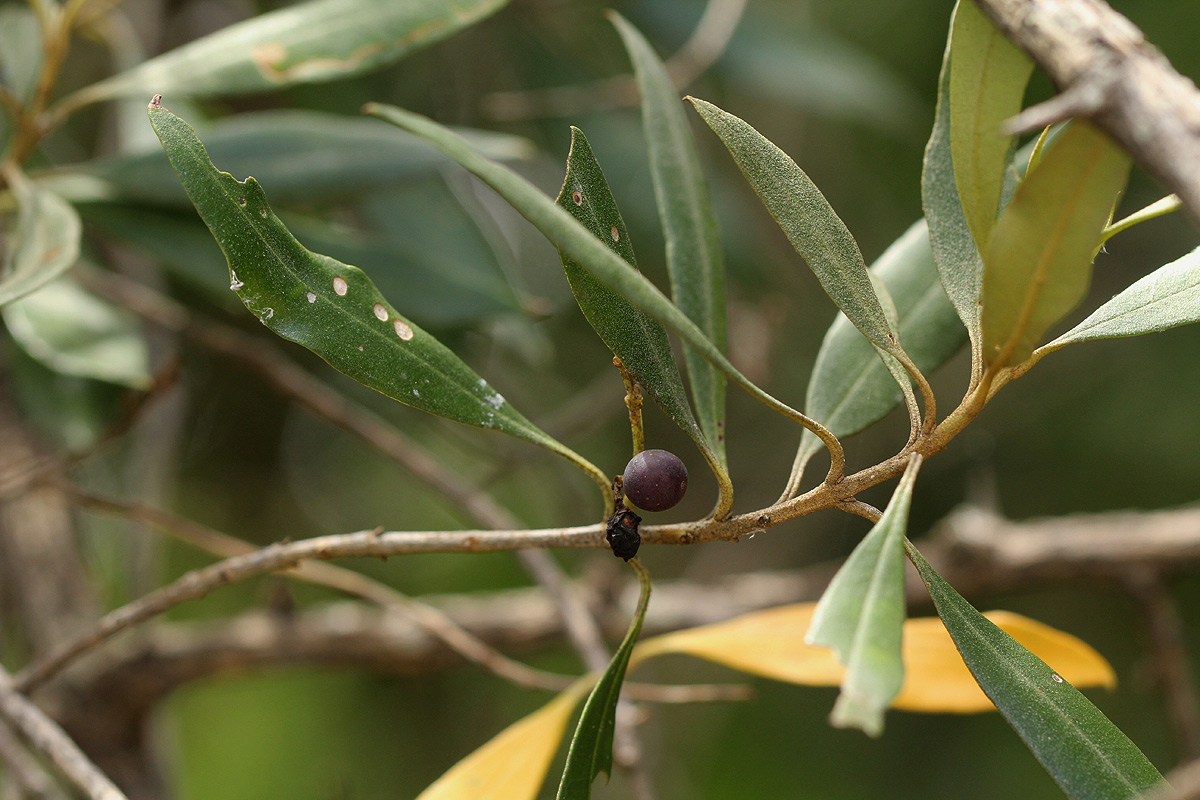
[[513, 764], [771, 644], [937, 680]]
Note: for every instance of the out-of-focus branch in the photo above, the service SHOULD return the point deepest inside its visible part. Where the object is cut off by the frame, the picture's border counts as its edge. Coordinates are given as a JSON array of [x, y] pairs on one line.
[[47, 738], [319, 398], [24, 771], [708, 41], [1167, 648], [1108, 72]]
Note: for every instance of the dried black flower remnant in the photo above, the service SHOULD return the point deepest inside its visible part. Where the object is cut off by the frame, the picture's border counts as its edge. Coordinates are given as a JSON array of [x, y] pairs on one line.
[[622, 533]]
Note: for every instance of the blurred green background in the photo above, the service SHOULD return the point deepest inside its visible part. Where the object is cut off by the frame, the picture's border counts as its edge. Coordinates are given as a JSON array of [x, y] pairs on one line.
[[847, 88]]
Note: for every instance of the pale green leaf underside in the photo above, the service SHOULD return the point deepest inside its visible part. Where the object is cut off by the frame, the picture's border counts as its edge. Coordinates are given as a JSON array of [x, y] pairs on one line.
[[43, 241], [591, 746], [850, 387], [694, 262], [810, 223], [1166, 298], [959, 262], [861, 616], [1088, 756], [1039, 262], [988, 75], [638, 340], [308, 42], [332, 308], [576, 241], [73, 332]]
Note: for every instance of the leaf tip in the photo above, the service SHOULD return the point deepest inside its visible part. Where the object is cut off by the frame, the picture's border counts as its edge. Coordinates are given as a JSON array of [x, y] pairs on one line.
[[155, 103]]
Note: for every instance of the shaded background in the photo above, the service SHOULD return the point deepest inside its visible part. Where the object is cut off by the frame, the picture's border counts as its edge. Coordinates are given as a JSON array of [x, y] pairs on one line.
[[847, 88]]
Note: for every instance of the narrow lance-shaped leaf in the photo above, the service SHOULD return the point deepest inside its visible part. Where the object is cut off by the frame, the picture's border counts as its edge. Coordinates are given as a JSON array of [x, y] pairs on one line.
[[771, 644], [694, 261], [988, 74], [811, 224], [513, 764], [332, 308], [638, 340], [44, 241], [1166, 298], [861, 616], [308, 42], [850, 388], [342, 157], [1039, 259], [572, 238], [591, 747], [1088, 756], [959, 262]]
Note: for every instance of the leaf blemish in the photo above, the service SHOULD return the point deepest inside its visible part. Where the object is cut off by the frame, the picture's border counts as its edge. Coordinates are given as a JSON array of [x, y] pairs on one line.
[[380, 312], [616, 234], [1054, 676], [312, 298], [241, 201], [262, 212], [577, 197], [234, 283], [402, 330], [340, 287]]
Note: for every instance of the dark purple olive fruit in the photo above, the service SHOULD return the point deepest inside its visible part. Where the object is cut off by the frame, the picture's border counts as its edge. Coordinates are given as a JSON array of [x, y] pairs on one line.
[[655, 480]]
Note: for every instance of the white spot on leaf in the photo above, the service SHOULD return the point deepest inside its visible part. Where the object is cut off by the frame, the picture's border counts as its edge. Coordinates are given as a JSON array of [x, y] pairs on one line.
[[495, 400], [380, 312], [416, 393], [403, 330], [234, 283], [262, 212], [340, 287], [312, 298], [1054, 676], [615, 234]]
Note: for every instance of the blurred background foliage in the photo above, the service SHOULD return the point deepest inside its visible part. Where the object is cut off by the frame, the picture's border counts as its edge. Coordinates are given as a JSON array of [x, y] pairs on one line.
[[847, 88]]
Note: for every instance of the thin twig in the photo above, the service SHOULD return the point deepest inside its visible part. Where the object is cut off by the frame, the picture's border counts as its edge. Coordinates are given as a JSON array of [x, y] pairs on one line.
[[1168, 652], [47, 738], [434, 621], [23, 769], [319, 398]]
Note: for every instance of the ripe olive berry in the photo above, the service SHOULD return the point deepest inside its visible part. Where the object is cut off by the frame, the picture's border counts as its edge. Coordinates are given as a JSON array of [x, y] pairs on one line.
[[655, 480]]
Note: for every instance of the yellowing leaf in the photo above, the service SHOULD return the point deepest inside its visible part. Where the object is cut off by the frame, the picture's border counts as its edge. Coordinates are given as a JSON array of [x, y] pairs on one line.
[[939, 681], [513, 765], [771, 644]]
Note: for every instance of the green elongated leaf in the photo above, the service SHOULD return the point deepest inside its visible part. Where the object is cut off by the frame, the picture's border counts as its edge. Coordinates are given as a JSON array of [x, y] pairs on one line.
[[810, 223], [332, 308], [1039, 262], [576, 241], [959, 261], [73, 332], [20, 50], [638, 340], [1088, 756], [1166, 298], [861, 616], [42, 244], [309, 42], [988, 75], [591, 747], [694, 262], [342, 157], [850, 387]]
